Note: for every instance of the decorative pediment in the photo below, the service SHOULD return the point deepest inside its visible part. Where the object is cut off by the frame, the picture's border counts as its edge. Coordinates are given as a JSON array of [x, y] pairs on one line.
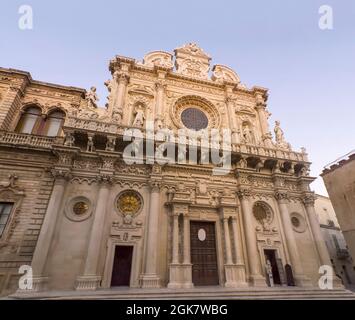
[[158, 59], [192, 61], [141, 90], [224, 74]]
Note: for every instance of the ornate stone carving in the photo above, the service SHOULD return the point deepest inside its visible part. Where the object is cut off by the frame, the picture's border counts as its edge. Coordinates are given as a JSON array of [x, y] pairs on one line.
[[92, 98], [158, 59], [223, 74], [243, 193], [263, 214], [192, 61], [139, 116], [279, 137]]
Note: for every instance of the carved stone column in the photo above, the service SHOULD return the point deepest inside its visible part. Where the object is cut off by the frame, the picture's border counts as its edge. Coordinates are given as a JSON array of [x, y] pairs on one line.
[[150, 278], [308, 201], [122, 79], [239, 259], [229, 267], [90, 280], [300, 278], [256, 277], [232, 117], [227, 241], [44, 241], [174, 268], [187, 266]]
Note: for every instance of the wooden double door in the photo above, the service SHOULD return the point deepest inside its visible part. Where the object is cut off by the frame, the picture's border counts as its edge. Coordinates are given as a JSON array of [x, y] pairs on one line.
[[203, 253]]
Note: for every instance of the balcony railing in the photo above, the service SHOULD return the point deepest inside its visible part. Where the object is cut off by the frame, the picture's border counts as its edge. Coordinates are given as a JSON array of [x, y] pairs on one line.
[[109, 128], [21, 139]]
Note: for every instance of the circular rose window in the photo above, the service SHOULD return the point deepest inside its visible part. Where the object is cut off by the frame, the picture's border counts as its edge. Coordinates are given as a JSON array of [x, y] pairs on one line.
[[194, 119]]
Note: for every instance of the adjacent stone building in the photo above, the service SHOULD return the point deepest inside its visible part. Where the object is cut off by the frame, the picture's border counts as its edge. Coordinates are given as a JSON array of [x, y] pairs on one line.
[[341, 260], [73, 208], [339, 179]]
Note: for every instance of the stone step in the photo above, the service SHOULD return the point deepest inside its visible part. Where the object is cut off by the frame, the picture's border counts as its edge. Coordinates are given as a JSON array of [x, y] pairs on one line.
[[193, 294]]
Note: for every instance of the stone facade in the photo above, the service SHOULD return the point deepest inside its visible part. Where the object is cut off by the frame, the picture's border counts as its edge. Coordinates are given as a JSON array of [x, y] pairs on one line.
[[340, 257], [74, 200], [339, 179]]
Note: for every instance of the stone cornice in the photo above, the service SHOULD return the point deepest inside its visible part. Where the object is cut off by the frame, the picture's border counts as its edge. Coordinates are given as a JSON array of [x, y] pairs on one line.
[[28, 77]]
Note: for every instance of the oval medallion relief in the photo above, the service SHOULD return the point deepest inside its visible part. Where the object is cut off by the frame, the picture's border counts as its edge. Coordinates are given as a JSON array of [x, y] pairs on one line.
[[201, 234]]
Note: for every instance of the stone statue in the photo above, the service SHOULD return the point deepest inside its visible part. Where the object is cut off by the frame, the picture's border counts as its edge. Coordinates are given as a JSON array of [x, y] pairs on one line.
[[279, 134], [69, 139], [90, 146], [139, 118], [269, 272], [279, 137], [247, 135], [92, 98]]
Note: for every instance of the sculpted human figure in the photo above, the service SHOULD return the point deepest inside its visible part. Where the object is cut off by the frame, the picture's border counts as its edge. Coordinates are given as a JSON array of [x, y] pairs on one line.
[[247, 134], [92, 98], [140, 117], [90, 146], [69, 139], [279, 134]]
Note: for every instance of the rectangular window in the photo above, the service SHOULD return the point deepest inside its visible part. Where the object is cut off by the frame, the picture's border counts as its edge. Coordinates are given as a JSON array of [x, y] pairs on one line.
[[5, 211]]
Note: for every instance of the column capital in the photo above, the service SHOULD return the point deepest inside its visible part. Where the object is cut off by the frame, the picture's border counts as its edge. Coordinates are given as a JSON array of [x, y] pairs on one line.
[[282, 196], [104, 180], [308, 199], [155, 185], [160, 84], [243, 193], [122, 77], [61, 175]]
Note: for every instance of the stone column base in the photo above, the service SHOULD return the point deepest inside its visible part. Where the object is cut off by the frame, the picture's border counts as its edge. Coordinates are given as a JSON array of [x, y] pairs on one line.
[[302, 281], [235, 276], [150, 281], [91, 282], [257, 280], [174, 276], [186, 273], [180, 276], [337, 283], [39, 284]]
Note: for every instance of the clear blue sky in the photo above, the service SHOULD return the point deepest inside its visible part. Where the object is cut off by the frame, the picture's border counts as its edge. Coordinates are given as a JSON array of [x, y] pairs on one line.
[[276, 44]]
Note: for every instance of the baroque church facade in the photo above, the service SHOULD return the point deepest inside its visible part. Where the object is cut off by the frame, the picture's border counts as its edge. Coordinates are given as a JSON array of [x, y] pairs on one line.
[[84, 219]]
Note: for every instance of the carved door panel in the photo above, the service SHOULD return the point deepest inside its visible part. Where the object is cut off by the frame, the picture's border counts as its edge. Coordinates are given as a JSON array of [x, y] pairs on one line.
[[122, 264], [203, 253]]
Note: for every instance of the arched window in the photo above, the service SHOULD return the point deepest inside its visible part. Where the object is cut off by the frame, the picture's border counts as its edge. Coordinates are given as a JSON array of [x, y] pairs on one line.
[[30, 121], [54, 123]]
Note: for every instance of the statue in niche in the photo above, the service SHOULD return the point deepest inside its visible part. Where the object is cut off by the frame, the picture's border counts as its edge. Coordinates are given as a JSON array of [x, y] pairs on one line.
[[139, 117], [92, 98], [247, 134], [90, 146]]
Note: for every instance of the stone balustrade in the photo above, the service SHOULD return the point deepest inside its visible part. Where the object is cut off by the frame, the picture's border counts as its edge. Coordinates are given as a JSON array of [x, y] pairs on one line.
[[104, 127], [14, 138]]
